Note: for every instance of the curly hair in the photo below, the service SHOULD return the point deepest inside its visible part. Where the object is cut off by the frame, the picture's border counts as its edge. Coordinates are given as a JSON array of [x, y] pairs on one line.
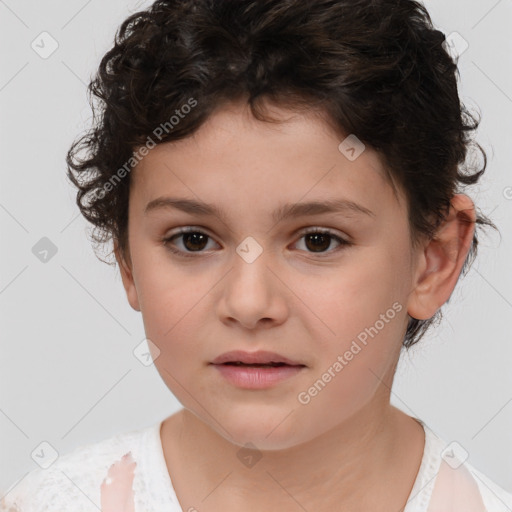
[[377, 68]]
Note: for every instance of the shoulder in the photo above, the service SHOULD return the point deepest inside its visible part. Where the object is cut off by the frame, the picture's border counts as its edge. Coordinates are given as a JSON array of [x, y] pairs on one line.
[[457, 484], [74, 480], [462, 487], [495, 498]]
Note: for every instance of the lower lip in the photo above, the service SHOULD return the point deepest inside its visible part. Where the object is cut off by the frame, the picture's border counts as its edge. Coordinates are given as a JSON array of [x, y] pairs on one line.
[[252, 377]]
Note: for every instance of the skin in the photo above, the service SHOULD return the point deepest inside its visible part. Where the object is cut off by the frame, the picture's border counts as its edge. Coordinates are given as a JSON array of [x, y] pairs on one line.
[[116, 490], [348, 446]]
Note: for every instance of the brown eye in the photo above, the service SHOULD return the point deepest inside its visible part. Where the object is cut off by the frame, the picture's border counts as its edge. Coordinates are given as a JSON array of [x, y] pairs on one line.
[[191, 241], [194, 241], [319, 241]]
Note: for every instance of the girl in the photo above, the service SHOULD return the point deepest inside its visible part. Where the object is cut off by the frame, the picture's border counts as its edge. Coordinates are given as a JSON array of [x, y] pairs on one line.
[[282, 182]]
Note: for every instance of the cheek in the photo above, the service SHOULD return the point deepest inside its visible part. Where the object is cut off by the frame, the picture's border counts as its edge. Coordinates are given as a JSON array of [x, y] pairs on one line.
[[359, 359], [174, 310], [170, 294], [340, 305], [362, 306]]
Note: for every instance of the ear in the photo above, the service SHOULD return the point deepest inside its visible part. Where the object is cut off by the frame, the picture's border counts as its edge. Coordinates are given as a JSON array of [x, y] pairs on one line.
[[441, 260], [125, 268]]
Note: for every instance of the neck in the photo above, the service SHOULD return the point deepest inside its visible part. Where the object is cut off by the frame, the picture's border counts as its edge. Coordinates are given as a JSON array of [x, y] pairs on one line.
[[367, 451]]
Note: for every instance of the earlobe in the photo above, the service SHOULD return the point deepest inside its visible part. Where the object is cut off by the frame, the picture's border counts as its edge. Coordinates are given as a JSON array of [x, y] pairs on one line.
[[127, 278], [442, 258]]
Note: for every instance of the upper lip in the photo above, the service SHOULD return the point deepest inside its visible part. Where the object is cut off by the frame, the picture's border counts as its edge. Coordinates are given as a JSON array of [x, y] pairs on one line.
[[259, 357]]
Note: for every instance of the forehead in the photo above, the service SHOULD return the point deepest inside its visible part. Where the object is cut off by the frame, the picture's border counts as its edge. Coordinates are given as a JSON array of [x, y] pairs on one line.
[[237, 161]]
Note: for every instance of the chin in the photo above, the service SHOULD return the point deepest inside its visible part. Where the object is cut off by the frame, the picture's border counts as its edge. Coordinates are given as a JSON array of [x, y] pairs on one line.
[[266, 430]]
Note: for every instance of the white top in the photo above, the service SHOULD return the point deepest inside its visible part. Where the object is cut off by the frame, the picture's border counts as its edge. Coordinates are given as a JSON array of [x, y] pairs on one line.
[[77, 481]]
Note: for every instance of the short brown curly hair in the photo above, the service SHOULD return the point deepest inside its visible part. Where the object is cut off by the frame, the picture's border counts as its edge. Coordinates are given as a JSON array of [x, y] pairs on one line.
[[376, 68]]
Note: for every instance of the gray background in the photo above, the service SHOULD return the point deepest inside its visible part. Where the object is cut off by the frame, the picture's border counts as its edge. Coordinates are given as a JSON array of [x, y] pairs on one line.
[[68, 375]]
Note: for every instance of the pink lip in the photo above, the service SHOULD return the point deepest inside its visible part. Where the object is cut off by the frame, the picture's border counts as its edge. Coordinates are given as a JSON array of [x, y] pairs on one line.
[[251, 377], [255, 377], [259, 357]]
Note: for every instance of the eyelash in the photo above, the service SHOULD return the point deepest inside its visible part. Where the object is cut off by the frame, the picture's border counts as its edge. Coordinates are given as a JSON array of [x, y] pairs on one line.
[[190, 254]]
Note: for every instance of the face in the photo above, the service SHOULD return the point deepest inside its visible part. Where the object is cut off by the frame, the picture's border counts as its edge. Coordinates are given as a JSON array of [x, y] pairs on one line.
[[327, 290]]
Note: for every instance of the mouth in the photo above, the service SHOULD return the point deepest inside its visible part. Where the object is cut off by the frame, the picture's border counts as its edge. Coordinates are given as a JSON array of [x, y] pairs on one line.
[[256, 370], [260, 359], [259, 365]]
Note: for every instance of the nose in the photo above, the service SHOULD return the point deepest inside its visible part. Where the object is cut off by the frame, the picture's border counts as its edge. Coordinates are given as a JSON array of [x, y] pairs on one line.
[[253, 295]]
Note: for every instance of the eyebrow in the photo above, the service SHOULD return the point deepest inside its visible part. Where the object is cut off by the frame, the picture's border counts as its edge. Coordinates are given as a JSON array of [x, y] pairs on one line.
[[282, 213]]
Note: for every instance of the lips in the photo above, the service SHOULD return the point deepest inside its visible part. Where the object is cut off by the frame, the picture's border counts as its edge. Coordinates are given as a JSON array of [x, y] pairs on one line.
[[256, 370], [260, 358]]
